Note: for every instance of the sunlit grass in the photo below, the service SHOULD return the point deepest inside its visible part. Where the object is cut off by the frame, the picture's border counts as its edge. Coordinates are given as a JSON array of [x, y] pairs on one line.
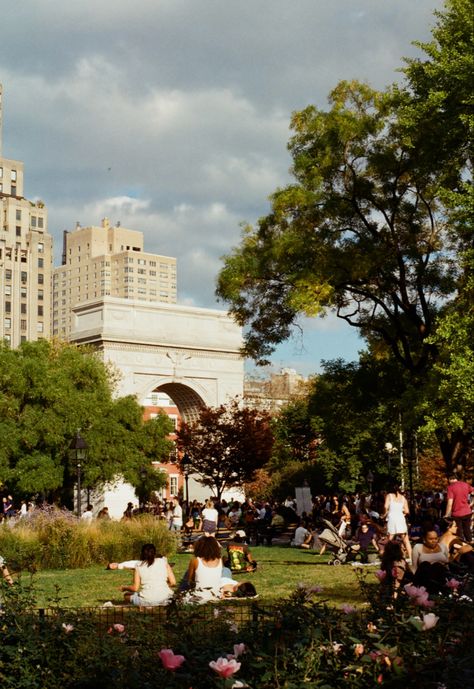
[[280, 570]]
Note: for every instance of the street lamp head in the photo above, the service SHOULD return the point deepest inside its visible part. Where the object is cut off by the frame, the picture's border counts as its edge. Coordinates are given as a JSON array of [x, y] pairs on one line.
[[79, 446]]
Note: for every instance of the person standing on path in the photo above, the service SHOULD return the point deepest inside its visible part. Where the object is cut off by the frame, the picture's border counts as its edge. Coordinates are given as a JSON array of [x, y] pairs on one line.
[[176, 516], [458, 506]]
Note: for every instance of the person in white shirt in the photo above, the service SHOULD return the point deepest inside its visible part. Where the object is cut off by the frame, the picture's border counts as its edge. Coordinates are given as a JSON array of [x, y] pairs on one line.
[[176, 516], [88, 514]]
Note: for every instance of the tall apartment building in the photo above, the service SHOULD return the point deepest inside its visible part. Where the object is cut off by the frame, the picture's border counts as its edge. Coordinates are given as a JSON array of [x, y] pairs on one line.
[[25, 258], [107, 260]]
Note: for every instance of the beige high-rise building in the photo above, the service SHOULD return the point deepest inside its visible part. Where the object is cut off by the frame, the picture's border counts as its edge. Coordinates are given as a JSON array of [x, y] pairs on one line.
[[107, 260], [25, 258]]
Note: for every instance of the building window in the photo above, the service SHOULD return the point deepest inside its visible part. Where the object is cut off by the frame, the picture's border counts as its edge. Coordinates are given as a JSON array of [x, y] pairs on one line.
[[40, 327], [173, 485], [8, 274], [18, 230], [22, 308], [23, 338], [8, 290], [7, 337], [23, 292], [40, 310], [24, 276], [13, 175], [13, 190], [40, 279], [40, 295], [7, 322], [8, 307], [40, 222], [18, 214], [23, 324], [41, 263], [1, 172], [33, 221]]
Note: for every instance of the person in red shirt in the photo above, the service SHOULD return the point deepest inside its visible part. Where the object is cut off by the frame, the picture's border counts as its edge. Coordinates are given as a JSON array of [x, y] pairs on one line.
[[458, 506]]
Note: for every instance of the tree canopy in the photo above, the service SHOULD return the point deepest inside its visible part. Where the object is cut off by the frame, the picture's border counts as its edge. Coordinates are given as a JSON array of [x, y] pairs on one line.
[[47, 392], [376, 226], [226, 445]]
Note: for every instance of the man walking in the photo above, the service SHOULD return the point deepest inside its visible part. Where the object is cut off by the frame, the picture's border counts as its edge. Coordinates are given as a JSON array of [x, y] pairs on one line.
[[458, 506]]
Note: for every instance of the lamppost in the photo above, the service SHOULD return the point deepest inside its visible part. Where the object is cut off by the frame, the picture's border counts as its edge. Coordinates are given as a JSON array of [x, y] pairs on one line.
[[143, 478], [389, 451], [185, 462], [370, 480], [410, 453], [78, 449]]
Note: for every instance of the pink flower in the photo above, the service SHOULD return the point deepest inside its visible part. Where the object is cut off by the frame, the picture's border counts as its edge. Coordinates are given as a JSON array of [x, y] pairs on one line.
[[67, 628], [453, 584], [238, 650], [225, 667], [119, 628], [430, 620], [170, 660], [358, 649], [380, 574], [348, 609], [418, 595]]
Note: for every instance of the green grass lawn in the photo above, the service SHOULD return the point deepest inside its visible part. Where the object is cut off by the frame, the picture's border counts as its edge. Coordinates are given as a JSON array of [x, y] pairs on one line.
[[280, 570]]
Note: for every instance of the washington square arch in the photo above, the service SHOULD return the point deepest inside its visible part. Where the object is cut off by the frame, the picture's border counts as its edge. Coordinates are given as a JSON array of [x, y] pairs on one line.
[[190, 354]]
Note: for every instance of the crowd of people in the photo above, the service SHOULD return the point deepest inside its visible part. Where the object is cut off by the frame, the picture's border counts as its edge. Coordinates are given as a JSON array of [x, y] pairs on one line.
[[422, 542]]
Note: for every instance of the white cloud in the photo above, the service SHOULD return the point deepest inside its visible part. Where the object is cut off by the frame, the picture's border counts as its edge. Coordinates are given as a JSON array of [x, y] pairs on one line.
[[172, 116]]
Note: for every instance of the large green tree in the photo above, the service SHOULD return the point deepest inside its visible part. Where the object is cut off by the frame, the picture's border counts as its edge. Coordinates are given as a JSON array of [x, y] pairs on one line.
[[48, 391], [226, 445], [367, 230]]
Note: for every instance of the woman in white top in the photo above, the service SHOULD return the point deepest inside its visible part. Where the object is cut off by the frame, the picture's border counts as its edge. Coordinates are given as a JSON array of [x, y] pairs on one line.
[[210, 517], [205, 571], [430, 560], [395, 510], [152, 580]]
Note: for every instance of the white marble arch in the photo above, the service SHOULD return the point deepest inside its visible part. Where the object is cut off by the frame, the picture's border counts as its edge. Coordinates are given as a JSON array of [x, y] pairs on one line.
[[191, 354]]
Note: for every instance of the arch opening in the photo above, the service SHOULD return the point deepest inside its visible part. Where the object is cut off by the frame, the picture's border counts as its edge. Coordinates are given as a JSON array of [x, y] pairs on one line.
[[188, 401]]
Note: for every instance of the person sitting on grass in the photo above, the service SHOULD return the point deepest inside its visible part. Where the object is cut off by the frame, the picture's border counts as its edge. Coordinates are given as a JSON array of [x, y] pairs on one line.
[[205, 571], [303, 537], [365, 537], [239, 557], [394, 567], [5, 573], [152, 580]]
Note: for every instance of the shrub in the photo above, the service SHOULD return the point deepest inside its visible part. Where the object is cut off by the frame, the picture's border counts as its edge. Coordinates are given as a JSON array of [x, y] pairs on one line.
[[299, 643], [55, 539]]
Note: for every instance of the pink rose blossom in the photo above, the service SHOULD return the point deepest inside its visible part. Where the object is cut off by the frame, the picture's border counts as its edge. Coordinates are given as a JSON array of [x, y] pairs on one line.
[[418, 595], [380, 574], [225, 667], [430, 620], [170, 660], [119, 628], [453, 584]]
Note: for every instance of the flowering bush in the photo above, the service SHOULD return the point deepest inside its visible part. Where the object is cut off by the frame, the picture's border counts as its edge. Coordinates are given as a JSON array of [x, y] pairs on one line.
[[54, 538], [302, 642]]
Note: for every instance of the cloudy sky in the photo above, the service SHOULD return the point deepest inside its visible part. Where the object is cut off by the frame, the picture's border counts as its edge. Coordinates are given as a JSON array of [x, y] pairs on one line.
[[171, 116]]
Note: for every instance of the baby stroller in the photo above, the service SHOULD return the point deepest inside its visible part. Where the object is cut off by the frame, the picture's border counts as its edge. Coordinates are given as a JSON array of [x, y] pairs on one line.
[[342, 551]]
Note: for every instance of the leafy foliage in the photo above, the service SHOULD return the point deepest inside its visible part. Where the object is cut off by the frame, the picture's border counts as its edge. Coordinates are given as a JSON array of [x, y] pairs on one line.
[[226, 445], [48, 391]]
